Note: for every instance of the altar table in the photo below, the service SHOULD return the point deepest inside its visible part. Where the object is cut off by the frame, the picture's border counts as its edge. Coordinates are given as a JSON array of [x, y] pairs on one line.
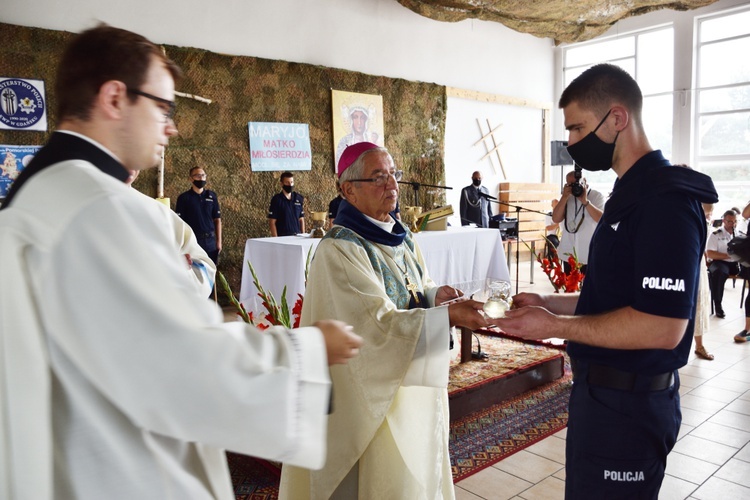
[[461, 256]]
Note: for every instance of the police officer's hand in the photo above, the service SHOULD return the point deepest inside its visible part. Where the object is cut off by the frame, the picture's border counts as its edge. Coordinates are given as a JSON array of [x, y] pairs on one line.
[[524, 299], [342, 343], [468, 314], [531, 322]]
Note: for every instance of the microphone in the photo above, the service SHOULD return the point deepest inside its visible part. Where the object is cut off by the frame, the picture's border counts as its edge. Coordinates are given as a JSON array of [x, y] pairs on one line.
[[485, 195]]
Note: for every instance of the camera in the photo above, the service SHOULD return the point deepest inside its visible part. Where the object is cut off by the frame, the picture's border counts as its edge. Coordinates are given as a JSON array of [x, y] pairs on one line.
[[576, 189]]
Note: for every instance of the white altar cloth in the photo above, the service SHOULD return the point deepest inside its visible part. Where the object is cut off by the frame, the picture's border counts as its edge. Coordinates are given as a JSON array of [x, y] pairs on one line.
[[458, 256]]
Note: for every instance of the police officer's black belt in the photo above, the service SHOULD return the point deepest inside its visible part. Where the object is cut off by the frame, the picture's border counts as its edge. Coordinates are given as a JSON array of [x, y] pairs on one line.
[[612, 378], [203, 236]]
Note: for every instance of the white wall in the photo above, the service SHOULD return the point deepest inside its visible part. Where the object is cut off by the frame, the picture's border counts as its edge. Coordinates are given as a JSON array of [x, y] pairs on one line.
[[378, 37], [519, 138]]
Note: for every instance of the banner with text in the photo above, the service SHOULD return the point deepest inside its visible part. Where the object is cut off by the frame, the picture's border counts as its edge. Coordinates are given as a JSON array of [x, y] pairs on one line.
[[279, 146]]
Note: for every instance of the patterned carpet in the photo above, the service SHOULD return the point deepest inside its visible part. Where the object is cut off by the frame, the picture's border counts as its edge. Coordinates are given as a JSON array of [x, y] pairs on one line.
[[253, 478], [488, 436], [476, 441]]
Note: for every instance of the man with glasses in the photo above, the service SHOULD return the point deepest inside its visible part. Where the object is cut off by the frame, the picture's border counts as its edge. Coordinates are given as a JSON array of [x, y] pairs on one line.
[[199, 207], [388, 433], [118, 381]]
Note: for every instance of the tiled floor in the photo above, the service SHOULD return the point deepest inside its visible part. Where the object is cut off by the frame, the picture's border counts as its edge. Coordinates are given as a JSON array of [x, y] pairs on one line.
[[711, 459]]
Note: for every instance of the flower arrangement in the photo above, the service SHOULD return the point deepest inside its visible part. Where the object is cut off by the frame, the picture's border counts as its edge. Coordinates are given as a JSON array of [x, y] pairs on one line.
[[277, 312], [553, 268]]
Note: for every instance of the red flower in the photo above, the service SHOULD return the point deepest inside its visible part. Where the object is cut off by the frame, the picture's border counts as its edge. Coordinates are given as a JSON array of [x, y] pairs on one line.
[[552, 267], [297, 310]]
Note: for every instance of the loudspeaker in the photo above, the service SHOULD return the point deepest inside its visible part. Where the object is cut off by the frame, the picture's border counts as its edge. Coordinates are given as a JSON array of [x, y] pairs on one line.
[[560, 154]]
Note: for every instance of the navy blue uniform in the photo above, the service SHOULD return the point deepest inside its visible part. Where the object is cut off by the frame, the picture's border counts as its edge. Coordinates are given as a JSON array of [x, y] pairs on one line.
[[199, 212], [625, 405], [333, 207], [287, 213]]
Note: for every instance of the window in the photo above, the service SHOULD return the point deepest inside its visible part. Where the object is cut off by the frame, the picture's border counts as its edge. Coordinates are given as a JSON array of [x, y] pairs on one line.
[[649, 57], [722, 105]]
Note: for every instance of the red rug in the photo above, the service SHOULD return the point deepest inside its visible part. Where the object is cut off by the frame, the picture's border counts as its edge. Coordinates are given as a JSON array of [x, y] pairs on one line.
[[483, 438]]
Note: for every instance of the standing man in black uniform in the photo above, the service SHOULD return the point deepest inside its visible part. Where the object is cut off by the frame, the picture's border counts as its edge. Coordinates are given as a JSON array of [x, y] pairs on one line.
[[474, 206], [286, 216], [199, 208], [631, 328]]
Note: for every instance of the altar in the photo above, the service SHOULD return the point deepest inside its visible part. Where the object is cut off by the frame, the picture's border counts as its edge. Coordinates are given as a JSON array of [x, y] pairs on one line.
[[460, 256]]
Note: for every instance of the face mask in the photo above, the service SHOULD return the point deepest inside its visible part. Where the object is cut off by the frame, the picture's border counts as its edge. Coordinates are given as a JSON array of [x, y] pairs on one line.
[[287, 189], [592, 153], [476, 182], [199, 184]]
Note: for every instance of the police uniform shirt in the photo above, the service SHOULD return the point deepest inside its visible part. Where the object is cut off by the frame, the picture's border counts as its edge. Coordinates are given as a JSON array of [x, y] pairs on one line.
[[333, 207], [717, 241], [199, 212], [287, 213], [649, 260]]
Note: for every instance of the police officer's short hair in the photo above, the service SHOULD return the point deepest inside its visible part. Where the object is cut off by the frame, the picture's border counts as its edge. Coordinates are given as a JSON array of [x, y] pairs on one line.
[[601, 86]]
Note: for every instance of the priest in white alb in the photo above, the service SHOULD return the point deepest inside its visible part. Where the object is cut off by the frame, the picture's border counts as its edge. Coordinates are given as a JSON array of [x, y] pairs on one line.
[[388, 432]]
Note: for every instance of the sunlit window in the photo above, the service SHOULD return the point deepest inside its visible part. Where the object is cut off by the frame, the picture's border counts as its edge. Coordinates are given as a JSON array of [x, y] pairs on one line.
[[722, 105]]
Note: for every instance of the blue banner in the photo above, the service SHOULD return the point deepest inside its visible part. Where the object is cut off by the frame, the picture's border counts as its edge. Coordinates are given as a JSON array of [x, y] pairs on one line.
[[14, 160]]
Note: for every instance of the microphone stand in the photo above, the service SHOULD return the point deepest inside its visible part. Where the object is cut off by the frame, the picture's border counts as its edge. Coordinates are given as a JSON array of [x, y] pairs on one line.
[[518, 220], [416, 185]]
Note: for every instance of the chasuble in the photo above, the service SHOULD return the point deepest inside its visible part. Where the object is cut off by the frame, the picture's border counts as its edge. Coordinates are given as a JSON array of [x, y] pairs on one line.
[[390, 405]]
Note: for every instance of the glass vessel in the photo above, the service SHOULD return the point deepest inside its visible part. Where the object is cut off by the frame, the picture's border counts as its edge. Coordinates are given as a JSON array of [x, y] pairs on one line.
[[498, 301]]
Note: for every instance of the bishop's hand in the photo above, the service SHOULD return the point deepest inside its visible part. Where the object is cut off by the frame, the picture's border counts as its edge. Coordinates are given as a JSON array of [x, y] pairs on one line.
[[468, 314], [447, 293]]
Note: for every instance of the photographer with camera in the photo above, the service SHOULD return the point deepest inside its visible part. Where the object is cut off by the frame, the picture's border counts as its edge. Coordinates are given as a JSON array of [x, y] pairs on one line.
[[578, 213]]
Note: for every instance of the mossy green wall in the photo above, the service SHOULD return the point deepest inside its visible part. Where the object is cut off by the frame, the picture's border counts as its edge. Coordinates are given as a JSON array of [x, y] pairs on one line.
[[245, 89]]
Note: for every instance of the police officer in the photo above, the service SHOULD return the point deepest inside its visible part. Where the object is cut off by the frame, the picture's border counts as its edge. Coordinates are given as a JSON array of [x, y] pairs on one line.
[[631, 327], [721, 266], [199, 208], [286, 216]]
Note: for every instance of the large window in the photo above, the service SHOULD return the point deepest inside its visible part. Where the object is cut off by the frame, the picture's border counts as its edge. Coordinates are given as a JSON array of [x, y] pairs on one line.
[[722, 105], [648, 56]]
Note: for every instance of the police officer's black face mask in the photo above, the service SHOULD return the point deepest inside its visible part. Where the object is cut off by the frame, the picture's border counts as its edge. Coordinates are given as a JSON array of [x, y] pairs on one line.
[[200, 184], [592, 153], [476, 182], [287, 189]]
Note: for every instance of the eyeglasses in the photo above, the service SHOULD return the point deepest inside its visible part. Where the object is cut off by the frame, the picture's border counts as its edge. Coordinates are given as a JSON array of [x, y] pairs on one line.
[[171, 106], [382, 179]]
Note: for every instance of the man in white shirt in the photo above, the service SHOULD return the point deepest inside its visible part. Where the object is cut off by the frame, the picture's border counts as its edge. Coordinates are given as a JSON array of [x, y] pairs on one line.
[[578, 213], [119, 381], [720, 266]]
